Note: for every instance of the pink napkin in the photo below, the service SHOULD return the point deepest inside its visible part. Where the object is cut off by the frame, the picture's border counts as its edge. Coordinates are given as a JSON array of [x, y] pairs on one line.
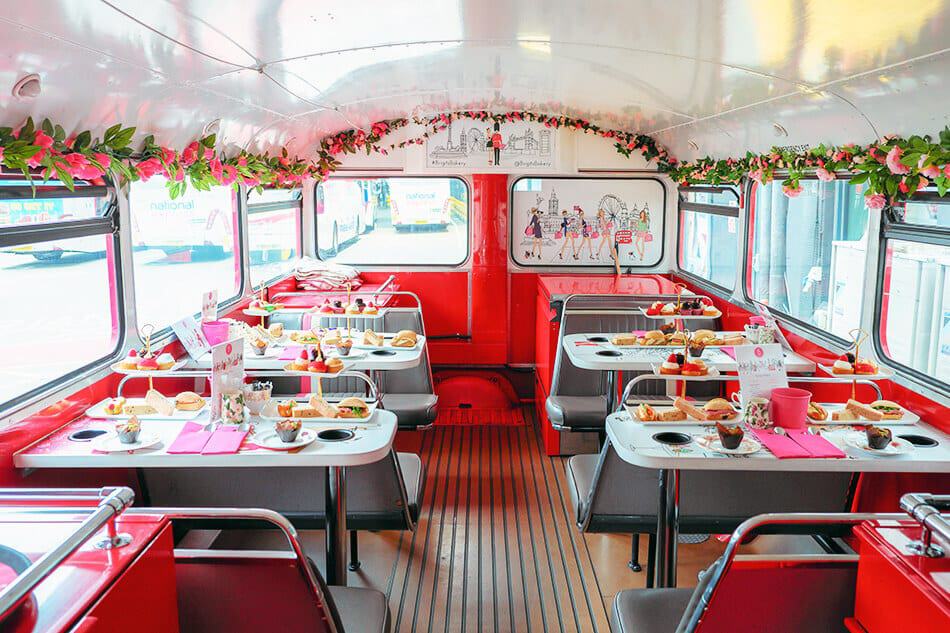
[[780, 445], [729, 351], [816, 445], [290, 353], [191, 439], [224, 441], [639, 332]]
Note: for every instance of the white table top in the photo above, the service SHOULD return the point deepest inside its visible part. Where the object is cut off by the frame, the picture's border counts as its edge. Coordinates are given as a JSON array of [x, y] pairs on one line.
[[359, 359], [372, 442], [634, 444], [584, 354]]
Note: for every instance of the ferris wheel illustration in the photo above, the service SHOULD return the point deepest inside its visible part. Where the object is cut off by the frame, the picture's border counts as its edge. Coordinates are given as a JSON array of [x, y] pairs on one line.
[[615, 209]]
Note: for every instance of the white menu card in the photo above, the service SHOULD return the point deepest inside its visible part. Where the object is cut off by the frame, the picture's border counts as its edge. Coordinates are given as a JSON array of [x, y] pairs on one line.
[[761, 369], [227, 371], [188, 331], [209, 306]]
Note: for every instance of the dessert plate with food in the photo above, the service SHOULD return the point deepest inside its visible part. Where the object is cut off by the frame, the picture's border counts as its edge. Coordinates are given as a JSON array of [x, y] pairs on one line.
[[136, 364], [730, 440], [860, 368], [879, 441], [698, 309], [128, 436], [317, 409], [404, 339], [185, 406], [309, 363], [855, 412], [650, 414], [678, 365], [285, 435]]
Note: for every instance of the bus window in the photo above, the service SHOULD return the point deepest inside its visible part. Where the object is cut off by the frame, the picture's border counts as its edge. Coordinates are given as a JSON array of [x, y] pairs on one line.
[[709, 234], [65, 316], [180, 249], [392, 221], [273, 232], [809, 253]]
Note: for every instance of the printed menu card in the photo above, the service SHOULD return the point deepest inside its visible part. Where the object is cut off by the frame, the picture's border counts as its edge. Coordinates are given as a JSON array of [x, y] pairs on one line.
[[189, 333], [227, 371], [209, 306], [761, 369]]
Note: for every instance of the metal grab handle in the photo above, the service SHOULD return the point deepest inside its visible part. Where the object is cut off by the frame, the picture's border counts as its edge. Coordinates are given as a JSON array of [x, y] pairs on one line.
[[705, 592], [920, 507], [315, 584], [114, 502], [724, 378], [379, 292], [636, 301]]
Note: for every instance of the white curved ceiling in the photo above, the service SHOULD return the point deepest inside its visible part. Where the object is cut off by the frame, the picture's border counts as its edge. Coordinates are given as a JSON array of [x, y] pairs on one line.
[[290, 71]]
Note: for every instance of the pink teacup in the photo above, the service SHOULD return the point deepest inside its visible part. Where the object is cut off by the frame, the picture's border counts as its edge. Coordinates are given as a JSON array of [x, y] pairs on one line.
[[788, 407]]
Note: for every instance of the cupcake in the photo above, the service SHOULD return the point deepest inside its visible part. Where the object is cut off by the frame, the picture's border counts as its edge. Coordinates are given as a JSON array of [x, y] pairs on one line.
[[334, 365], [129, 430], [338, 307], [730, 436], [131, 361], [300, 363], [147, 364], [696, 348], [287, 430], [165, 361], [343, 347], [259, 346], [353, 309], [370, 309], [878, 438]]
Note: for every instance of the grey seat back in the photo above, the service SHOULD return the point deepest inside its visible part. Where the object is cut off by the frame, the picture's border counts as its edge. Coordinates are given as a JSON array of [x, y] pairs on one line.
[[414, 380], [377, 497], [622, 496]]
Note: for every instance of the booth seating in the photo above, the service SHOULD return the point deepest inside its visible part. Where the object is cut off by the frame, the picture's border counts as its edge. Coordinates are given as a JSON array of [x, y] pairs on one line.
[[578, 400], [610, 495]]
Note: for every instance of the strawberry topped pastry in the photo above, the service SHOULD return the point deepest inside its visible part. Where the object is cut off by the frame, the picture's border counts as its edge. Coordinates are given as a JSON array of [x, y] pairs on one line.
[[370, 308], [147, 364], [131, 361], [865, 366], [317, 366], [844, 364], [695, 367], [673, 365], [326, 308], [654, 310], [300, 363]]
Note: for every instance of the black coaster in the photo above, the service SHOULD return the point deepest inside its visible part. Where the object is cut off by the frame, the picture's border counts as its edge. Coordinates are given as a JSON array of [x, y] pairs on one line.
[[920, 440], [597, 339], [85, 436], [336, 435], [672, 438], [609, 352], [382, 352]]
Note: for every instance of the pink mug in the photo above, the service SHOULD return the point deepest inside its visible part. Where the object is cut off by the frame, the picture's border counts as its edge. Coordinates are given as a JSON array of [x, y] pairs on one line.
[[216, 332], [788, 407]]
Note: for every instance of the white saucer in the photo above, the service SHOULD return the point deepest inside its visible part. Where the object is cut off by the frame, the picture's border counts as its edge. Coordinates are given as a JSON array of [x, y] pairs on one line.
[[111, 444], [268, 438], [748, 446], [896, 447]]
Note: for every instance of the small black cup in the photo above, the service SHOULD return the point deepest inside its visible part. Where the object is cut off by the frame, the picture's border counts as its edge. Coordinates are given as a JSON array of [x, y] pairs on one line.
[[672, 438]]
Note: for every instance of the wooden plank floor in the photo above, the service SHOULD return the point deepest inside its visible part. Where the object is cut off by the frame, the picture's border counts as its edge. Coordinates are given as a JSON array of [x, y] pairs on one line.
[[496, 548]]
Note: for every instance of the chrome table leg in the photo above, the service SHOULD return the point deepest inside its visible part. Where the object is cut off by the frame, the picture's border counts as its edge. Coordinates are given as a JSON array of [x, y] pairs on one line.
[[336, 525], [667, 528]]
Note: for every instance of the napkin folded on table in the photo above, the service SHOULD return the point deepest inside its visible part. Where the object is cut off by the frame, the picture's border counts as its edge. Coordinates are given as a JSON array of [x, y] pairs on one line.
[[191, 439], [290, 353], [797, 444], [224, 441]]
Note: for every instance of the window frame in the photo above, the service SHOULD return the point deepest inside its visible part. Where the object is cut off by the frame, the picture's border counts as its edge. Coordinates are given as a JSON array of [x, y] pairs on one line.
[[384, 266], [595, 267], [819, 335], [106, 225], [266, 207], [898, 230], [712, 209]]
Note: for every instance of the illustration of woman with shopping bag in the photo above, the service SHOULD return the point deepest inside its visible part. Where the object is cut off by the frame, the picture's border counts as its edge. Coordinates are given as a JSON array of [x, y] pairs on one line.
[[585, 234], [642, 232], [533, 230], [568, 234], [605, 230]]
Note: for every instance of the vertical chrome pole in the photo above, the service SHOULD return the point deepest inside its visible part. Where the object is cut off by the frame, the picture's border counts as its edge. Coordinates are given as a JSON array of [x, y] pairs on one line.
[[336, 525], [667, 528], [611, 391]]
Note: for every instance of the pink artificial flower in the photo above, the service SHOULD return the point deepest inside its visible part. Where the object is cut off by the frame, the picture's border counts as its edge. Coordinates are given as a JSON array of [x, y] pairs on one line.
[[190, 154], [149, 167], [179, 174], [792, 192], [875, 202], [824, 175], [360, 138], [103, 159], [229, 174], [217, 171], [1, 154], [36, 159], [757, 175], [250, 181], [208, 153], [894, 163], [168, 155], [42, 140], [242, 161], [930, 172]]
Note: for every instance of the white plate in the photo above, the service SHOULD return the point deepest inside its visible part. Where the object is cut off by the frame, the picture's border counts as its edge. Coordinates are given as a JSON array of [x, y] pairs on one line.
[[713, 373], [99, 411], [685, 317], [148, 372], [353, 355], [110, 443], [897, 446], [268, 438], [296, 372], [909, 417], [748, 446], [269, 412], [882, 374], [632, 411], [324, 315], [259, 313]]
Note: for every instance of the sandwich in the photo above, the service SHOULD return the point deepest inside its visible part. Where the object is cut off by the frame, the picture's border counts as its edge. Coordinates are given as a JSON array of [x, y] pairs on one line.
[[719, 409], [816, 412], [161, 404], [678, 338], [687, 408], [843, 416], [188, 401], [276, 330], [646, 413], [323, 408], [654, 337], [864, 411], [700, 336], [138, 409], [353, 408], [304, 411], [372, 338], [624, 339], [735, 339], [671, 415], [404, 338], [890, 410]]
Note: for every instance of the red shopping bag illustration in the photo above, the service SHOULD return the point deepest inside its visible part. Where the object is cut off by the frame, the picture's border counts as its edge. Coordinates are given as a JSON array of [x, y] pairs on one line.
[[558, 235]]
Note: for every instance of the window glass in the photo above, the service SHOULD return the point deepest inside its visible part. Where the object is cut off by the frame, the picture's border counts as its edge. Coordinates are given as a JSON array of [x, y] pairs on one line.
[[397, 221], [273, 232], [809, 253], [709, 247], [723, 197], [17, 210], [181, 249], [915, 308], [64, 316], [585, 221], [927, 213]]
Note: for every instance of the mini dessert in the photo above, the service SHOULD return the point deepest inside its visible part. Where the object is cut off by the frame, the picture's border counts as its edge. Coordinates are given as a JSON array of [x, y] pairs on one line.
[[303, 411], [284, 409], [696, 348], [332, 338], [326, 308], [189, 401], [624, 339], [300, 363], [878, 438], [352, 408], [654, 310], [318, 367], [334, 365], [131, 361], [695, 367], [323, 408], [890, 410], [165, 361], [338, 307], [370, 309], [343, 347], [161, 404], [405, 338], [147, 364], [646, 413], [372, 338], [864, 411], [138, 409], [816, 412], [678, 338], [667, 328], [654, 337], [711, 311], [259, 346], [695, 308], [865, 367], [668, 308], [115, 406], [719, 409], [730, 436], [128, 431], [360, 303], [687, 408], [672, 366], [276, 330], [843, 416], [287, 430], [352, 309], [843, 365]]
